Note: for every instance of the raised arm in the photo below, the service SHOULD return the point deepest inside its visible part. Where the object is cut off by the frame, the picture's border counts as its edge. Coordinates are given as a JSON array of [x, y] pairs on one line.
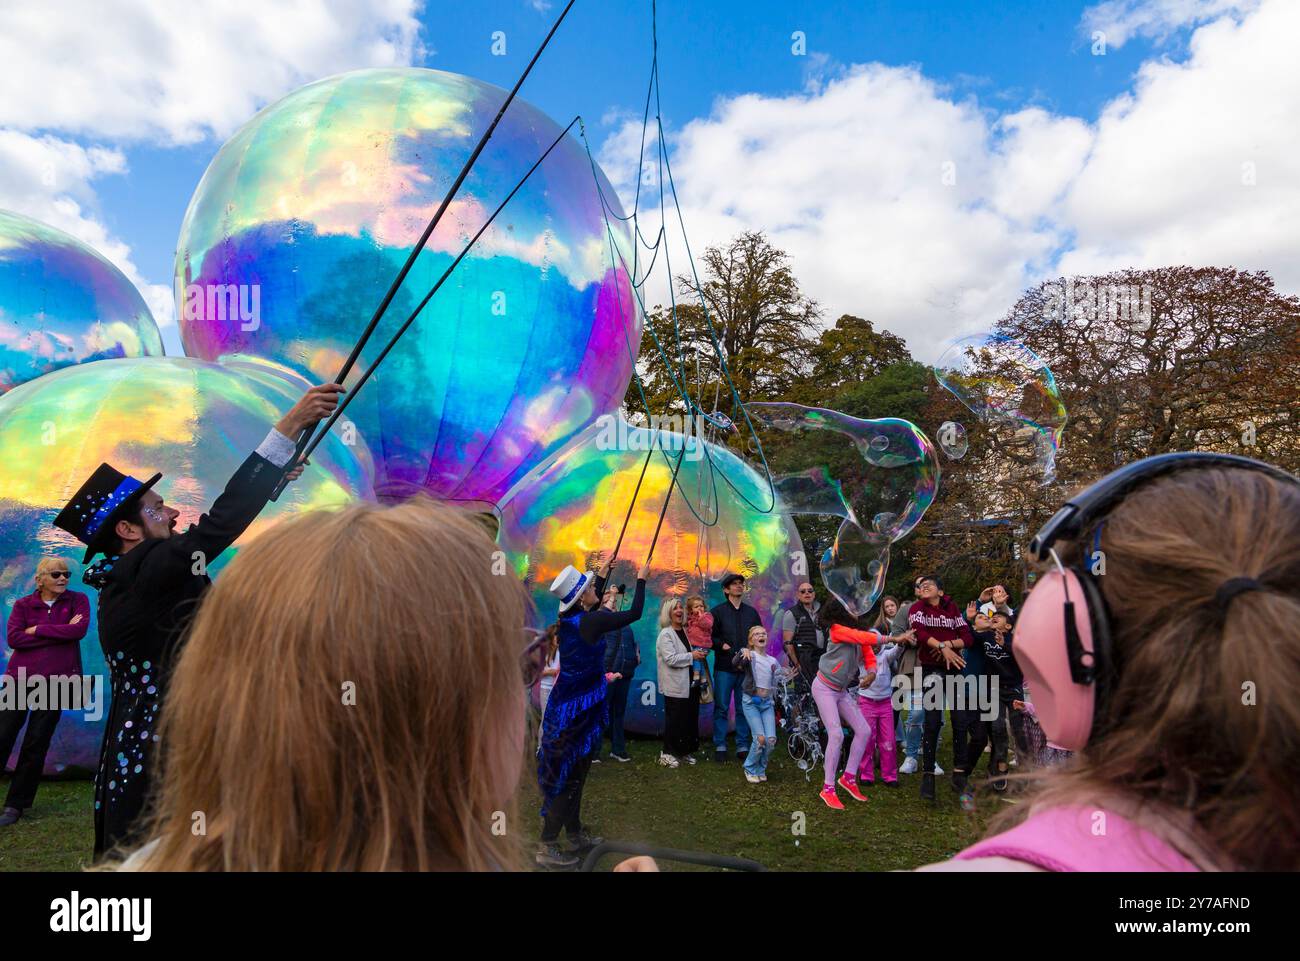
[[594, 624]]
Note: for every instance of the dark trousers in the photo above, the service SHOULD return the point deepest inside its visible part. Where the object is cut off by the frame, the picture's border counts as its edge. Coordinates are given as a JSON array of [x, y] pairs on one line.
[[565, 810], [682, 724], [934, 720], [31, 758], [978, 730], [1016, 719], [617, 697], [808, 658]]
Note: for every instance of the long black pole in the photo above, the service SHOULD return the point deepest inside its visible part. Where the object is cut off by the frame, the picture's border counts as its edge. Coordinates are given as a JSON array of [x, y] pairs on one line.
[[648, 454], [424, 238], [669, 497], [392, 342]]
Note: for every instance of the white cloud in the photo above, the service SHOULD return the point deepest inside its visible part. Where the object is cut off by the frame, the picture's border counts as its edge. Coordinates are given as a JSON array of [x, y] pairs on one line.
[[175, 73], [1158, 20], [848, 178]]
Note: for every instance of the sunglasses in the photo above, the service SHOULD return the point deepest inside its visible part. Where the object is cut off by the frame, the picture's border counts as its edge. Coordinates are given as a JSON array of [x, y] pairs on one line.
[[59, 574], [533, 659]]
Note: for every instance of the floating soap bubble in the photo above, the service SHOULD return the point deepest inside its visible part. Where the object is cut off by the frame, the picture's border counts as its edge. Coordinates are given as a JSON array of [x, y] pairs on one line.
[[854, 568], [952, 439], [1002, 381], [570, 509], [313, 206], [904, 486], [813, 491], [719, 420], [63, 303]]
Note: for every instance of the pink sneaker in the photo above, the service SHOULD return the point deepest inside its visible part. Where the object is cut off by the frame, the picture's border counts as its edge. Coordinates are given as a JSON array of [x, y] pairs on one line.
[[851, 785], [831, 798]]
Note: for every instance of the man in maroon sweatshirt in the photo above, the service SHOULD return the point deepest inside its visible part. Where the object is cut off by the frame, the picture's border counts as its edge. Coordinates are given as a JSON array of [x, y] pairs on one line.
[[941, 634], [45, 632]]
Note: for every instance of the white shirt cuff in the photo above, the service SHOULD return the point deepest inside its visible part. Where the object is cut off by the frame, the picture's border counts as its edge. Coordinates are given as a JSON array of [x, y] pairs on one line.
[[277, 448]]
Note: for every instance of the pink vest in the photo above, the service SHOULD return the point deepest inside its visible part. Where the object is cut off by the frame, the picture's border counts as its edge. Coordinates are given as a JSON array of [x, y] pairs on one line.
[[1078, 839]]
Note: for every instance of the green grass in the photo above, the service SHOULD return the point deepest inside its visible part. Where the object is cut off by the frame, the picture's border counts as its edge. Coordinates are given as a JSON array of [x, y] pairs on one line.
[[707, 807], [711, 807], [56, 834]]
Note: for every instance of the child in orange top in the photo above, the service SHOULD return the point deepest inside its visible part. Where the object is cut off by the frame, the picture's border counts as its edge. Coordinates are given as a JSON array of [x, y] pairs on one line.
[[849, 658], [699, 633]]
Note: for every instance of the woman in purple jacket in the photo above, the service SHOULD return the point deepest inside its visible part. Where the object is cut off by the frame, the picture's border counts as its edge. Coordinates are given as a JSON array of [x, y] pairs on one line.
[[45, 632]]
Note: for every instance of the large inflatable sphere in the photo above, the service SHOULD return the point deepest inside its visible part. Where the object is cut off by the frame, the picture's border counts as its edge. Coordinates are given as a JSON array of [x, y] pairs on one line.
[[62, 303], [571, 508], [307, 214], [194, 421]]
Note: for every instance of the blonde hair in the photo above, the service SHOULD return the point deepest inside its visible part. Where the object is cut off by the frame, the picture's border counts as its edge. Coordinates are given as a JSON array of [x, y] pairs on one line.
[[290, 773], [46, 564], [666, 611], [1180, 737], [749, 640], [693, 600]]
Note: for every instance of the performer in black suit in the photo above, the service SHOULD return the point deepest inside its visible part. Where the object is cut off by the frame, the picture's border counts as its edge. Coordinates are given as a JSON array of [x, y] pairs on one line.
[[149, 583]]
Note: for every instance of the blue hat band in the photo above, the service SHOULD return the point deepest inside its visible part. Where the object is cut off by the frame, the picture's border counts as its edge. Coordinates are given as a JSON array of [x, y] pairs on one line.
[[582, 582], [125, 489]]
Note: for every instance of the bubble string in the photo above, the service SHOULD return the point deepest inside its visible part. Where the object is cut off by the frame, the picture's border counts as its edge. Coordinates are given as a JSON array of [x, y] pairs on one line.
[[306, 434], [392, 342], [677, 366]]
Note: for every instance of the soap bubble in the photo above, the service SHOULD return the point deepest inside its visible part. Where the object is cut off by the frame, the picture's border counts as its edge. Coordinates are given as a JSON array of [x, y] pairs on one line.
[[719, 420], [952, 439], [894, 492], [904, 487], [854, 568], [1002, 381]]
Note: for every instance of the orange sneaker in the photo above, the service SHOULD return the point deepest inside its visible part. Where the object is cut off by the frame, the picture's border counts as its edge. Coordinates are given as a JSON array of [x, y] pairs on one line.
[[851, 785], [831, 798]]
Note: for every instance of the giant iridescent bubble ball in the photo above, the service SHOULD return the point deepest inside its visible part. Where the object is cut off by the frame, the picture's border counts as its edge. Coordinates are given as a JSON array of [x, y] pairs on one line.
[[62, 303], [307, 214], [194, 421], [1003, 382], [571, 508]]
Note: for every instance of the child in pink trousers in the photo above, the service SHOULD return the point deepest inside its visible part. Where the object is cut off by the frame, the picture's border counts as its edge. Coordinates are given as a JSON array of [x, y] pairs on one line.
[[875, 704]]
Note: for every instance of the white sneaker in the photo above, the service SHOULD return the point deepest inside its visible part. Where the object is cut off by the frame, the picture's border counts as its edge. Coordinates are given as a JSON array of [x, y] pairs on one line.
[[909, 766], [938, 771], [690, 759], [667, 760], [752, 778]]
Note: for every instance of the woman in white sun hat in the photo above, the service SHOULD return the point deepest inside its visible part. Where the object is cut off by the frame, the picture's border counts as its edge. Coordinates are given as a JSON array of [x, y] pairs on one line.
[[576, 712]]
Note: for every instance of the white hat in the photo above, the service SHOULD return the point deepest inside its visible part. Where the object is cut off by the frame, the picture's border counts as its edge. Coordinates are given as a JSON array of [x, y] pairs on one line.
[[568, 587]]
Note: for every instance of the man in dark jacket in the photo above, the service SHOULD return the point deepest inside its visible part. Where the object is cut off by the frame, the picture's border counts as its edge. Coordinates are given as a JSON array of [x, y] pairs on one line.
[[150, 582], [732, 620], [622, 657]]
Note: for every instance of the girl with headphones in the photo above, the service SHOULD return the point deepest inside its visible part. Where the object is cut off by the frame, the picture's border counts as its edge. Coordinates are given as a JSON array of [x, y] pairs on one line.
[[1162, 644]]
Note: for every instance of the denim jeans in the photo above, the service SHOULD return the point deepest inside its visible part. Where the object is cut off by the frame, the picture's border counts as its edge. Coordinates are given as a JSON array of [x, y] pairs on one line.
[[725, 684], [760, 712]]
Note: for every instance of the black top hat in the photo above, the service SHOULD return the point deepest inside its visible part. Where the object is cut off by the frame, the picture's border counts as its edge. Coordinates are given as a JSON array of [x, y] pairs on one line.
[[95, 510]]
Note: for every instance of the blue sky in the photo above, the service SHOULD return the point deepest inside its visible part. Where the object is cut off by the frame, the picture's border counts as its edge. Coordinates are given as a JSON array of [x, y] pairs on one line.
[[1008, 54], [1067, 160]]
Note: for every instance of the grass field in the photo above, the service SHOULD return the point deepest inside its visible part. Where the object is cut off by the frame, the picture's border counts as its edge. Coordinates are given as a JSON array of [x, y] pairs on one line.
[[705, 807]]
